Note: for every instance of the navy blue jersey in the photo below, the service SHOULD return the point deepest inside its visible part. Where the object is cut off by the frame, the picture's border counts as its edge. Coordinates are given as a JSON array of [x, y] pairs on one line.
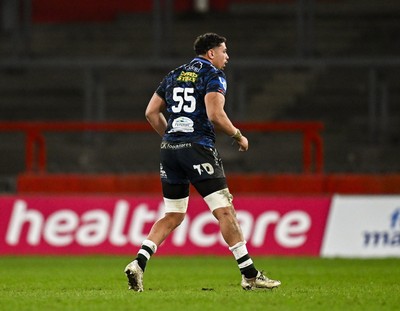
[[183, 90]]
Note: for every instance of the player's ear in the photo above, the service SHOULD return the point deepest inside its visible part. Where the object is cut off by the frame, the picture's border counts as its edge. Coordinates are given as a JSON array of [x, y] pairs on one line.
[[210, 53]]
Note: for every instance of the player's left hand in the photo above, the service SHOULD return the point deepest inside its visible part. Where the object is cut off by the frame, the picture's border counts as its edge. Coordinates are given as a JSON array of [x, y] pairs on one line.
[[243, 143]]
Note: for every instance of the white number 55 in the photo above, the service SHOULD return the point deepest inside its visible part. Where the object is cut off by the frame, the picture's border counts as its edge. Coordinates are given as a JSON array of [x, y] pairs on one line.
[[183, 99]]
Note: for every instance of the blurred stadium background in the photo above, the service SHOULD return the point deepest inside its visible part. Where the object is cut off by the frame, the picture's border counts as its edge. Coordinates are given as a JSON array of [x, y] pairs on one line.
[[336, 62]]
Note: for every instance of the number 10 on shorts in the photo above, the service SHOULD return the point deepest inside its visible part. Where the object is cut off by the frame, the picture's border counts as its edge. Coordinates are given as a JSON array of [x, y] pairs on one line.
[[204, 167]]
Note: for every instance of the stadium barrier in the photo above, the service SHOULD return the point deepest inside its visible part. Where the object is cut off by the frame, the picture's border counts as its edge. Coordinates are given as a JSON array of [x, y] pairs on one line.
[[35, 146], [259, 183], [36, 179]]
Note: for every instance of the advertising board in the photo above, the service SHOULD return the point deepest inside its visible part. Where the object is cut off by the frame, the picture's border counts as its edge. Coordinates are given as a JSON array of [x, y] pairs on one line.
[[363, 226], [118, 225]]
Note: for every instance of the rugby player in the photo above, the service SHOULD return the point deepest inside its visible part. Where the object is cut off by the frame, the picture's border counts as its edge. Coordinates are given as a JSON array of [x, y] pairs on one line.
[[193, 95]]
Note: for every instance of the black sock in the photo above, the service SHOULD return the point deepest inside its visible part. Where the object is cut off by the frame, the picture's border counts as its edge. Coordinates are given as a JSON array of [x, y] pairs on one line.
[[146, 251], [250, 272], [142, 261], [243, 259]]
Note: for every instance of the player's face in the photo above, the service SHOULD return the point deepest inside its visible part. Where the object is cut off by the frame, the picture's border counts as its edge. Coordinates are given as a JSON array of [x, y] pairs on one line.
[[220, 56]]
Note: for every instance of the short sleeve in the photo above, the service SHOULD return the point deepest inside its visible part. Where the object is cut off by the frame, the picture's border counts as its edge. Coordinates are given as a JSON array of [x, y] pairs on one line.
[[217, 83], [161, 89]]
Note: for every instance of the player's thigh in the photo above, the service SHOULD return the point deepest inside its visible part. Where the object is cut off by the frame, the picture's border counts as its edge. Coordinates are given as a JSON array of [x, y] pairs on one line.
[[176, 197], [215, 193], [171, 171]]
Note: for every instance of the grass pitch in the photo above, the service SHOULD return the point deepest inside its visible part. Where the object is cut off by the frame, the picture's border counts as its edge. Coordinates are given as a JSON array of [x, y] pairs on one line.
[[197, 283]]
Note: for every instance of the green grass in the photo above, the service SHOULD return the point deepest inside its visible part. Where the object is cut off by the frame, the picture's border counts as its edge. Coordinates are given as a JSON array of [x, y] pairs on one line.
[[197, 283]]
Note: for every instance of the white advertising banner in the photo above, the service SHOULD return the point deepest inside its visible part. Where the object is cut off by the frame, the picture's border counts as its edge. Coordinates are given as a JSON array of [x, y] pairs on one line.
[[363, 226]]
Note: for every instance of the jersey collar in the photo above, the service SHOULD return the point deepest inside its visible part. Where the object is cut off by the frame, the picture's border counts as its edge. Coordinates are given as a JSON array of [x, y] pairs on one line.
[[202, 59]]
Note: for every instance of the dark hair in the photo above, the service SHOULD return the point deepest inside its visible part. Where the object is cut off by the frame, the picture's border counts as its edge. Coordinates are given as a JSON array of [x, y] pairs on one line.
[[207, 41]]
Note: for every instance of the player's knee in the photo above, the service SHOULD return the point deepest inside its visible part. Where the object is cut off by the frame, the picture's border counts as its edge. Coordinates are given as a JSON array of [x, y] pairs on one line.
[[174, 219], [224, 213]]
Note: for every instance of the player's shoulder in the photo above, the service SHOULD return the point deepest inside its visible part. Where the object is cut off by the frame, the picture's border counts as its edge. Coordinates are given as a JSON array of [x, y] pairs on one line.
[[213, 72], [176, 70]]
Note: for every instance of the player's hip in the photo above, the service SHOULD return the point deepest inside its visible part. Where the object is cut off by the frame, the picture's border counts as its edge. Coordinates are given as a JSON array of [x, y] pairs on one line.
[[189, 161]]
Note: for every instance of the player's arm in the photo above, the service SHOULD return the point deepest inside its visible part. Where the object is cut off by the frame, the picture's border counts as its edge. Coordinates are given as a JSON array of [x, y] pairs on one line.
[[215, 103], [154, 114]]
